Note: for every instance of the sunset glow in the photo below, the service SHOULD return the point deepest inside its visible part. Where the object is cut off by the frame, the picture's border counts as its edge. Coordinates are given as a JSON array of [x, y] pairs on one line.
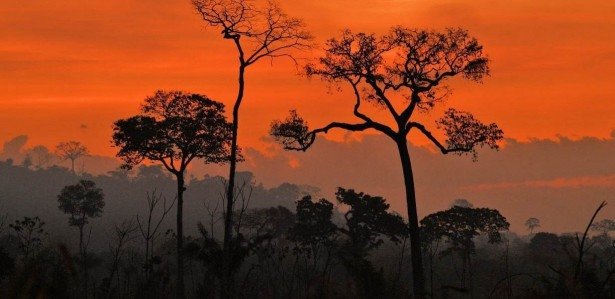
[[69, 68]]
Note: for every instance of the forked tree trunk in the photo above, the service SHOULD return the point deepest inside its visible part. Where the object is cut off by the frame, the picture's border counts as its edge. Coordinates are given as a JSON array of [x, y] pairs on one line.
[[418, 278], [180, 235]]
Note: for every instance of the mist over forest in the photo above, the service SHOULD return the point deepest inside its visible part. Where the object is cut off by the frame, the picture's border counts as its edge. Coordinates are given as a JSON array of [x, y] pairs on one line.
[[574, 174], [31, 177]]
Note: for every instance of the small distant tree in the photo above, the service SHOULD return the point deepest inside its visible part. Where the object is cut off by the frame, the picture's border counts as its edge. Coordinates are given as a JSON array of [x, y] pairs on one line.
[[29, 232], [40, 156], [150, 226], [123, 234], [82, 202], [173, 129], [532, 223], [71, 150], [604, 226], [404, 72]]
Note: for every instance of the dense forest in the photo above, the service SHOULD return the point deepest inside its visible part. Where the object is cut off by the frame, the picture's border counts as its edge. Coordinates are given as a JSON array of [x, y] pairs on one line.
[[289, 244]]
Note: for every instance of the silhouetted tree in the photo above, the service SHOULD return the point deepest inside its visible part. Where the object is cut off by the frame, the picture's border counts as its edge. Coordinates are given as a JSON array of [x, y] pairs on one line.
[[81, 202], [150, 227], [174, 129], [532, 223], [460, 225], [71, 150], [407, 69], [368, 221], [256, 33], [315, 238], [29, 232], [122, 235], [313, 225]]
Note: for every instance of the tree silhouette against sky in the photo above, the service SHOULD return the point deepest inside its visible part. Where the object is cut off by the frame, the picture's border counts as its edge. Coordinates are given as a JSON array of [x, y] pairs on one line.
[[404, 73], [81, 202], [174, 129], [532, 223], [71, 150], [256, 32]]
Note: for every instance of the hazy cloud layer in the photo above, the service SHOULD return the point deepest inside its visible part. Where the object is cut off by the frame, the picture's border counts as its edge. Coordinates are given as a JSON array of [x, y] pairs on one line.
[[560, 182]]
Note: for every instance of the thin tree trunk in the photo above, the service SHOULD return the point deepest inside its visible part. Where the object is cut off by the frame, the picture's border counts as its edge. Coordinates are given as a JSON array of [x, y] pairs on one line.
[[180, 235], [230, 192], [418, 277], [81, 240], [84, 267], [431, 256], [72, 163]]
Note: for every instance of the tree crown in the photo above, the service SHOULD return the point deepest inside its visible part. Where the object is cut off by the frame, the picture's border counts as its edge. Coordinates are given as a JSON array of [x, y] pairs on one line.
[[71, 150], [174, 128], [401, 72], [460, 225], [268, 31], [368, 219], [81, 201]]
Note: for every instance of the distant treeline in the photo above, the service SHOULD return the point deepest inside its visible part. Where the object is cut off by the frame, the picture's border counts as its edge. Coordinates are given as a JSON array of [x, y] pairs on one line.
[[288, 243], [33, 191]]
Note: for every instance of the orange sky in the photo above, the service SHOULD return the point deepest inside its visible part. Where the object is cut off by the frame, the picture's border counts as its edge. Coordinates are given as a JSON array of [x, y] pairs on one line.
[[69, 68]]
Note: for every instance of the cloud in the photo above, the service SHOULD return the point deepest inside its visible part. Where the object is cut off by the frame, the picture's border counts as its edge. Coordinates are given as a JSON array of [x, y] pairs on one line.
[[578, 182], [559, 181], [13, 147]]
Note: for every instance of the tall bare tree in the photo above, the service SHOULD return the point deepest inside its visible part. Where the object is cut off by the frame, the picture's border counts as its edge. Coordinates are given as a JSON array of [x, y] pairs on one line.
[[123, 234], [257, 32], [403, 72], [174, 129], [71, 150], [150, 226]]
